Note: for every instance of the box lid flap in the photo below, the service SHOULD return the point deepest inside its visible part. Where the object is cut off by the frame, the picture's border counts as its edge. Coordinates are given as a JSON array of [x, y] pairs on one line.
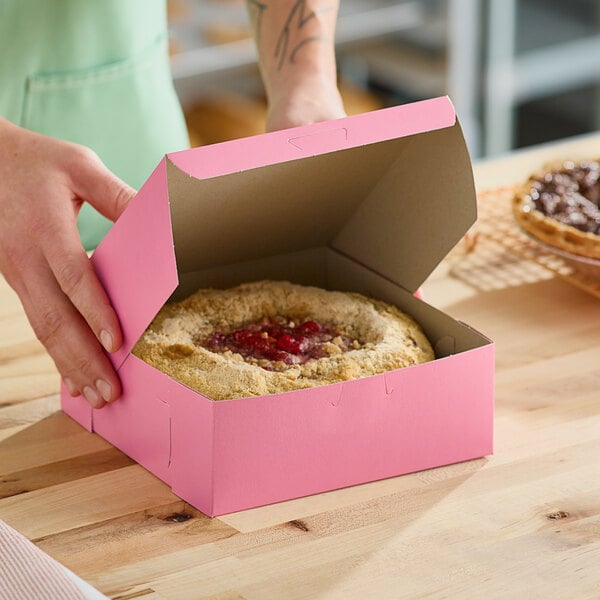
[[417, 211], [136, 262], [393, 189]]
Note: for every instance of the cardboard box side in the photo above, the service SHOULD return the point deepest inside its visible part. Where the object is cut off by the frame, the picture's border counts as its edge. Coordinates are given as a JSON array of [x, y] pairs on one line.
[[317, 138], [309, 441], [135, 261], [192, 466], [139, 422], [418, 210]]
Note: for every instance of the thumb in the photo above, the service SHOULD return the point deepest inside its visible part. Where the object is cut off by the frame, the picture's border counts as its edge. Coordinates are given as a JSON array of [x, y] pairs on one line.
[[96, 184]]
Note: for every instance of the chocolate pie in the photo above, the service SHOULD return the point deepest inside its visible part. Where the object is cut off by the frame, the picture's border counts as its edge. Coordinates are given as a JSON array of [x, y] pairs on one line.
[[269, 337], [561, 206]]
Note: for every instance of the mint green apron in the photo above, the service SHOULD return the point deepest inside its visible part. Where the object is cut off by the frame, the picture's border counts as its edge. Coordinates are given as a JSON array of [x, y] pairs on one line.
[[95, 72]]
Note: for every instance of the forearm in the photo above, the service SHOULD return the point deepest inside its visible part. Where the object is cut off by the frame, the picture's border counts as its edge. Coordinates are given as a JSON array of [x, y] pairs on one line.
[[295, 41]]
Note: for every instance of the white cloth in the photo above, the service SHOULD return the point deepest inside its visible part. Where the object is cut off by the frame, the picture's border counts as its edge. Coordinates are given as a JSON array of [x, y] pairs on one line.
[[27, 573]]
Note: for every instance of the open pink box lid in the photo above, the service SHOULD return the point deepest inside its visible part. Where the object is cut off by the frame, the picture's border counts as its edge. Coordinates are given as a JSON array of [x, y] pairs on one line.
[[211, 205]]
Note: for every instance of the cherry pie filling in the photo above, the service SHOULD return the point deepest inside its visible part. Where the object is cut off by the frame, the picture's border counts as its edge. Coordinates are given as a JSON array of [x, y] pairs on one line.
[[277, 342]]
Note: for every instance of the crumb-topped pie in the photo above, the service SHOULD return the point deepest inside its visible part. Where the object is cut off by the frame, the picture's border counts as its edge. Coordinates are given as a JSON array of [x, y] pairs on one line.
[[560, 206], [268, 337]]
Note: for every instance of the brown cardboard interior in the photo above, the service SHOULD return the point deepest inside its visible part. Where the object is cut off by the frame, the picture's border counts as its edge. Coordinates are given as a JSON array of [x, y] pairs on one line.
[[417, 211], [395, 206], [306, 267], [329, 269], [446, 335]]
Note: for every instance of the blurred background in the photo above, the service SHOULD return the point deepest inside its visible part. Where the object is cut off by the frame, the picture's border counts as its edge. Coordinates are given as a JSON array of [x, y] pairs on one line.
[[519, 72]]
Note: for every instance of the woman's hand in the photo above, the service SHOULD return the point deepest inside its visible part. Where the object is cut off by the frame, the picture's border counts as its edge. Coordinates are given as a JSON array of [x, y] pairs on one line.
[[43, 183]]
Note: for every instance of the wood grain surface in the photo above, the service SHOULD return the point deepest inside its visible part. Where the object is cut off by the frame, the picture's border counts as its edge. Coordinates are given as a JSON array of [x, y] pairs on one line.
[[523, 523]]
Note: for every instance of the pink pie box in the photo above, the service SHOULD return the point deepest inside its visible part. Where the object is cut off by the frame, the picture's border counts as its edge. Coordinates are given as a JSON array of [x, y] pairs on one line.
[[369, 203]]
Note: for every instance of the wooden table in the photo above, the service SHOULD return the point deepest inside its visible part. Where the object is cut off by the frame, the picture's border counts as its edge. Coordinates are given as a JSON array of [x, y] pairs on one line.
[[523, 523]]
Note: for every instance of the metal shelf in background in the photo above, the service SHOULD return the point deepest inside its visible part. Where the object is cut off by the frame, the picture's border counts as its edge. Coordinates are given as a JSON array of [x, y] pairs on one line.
[[352, 27]]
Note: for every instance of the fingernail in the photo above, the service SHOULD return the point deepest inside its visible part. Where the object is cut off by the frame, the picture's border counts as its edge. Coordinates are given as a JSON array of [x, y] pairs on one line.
[[91, 395], [106, 340], [71, 388], [104, 389]]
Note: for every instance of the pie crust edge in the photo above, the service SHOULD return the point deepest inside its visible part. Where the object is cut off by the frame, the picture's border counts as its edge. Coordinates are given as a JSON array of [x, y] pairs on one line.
[[549, 230]]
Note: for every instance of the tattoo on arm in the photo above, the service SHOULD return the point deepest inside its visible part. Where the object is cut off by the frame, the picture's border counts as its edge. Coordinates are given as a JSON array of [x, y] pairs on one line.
[[286, 48], [256, 10]]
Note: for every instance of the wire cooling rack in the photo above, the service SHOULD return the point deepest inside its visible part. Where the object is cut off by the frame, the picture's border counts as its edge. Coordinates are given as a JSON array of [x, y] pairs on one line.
[[506, 256]]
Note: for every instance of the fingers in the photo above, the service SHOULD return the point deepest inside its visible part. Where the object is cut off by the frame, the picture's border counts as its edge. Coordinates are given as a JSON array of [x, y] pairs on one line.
[[58, 325], [96, 184], [42, 258], [78, 281]]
